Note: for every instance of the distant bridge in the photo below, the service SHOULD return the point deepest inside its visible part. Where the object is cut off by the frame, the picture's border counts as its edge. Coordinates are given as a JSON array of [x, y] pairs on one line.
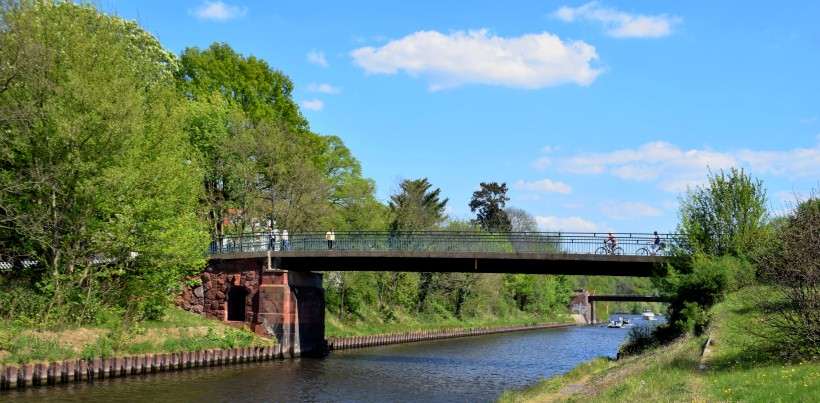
[[584, 303], [631, 254]]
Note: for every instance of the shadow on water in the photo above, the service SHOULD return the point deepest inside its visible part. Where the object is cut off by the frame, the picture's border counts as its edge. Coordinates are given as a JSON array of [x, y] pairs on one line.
[[471, 369]]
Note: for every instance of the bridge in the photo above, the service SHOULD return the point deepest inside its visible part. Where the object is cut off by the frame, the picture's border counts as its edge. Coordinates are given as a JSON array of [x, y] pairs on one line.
[[274, 286], [632, 254], [583, 302]]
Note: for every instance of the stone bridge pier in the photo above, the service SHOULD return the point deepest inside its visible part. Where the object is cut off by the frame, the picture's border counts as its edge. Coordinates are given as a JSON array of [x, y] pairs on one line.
[[286, 305], [580, 304]]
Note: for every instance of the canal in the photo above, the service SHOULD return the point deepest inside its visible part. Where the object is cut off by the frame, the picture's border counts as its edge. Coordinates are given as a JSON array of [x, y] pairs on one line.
[[470, 369]]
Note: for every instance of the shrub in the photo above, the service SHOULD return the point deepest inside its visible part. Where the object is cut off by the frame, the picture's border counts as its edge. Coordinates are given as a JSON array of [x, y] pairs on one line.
[[694, 287], [640, 339], [792, 266]]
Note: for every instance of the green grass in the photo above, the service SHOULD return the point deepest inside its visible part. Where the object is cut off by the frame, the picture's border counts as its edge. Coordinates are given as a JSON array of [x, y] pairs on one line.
[[370, 323], [741, 367], [178, 331], [552, 386]]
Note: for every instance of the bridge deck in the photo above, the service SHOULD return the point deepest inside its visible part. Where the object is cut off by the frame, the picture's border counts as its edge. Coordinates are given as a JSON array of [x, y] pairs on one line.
[[628, 298], [478, 262]]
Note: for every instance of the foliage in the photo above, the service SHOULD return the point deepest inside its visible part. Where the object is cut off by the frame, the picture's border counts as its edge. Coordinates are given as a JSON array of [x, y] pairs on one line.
[[727, 216], [488, 203], [416, 206], [521, 220], [791, 265], [97, 180], [694, 287], [262, 163], [640, 339]]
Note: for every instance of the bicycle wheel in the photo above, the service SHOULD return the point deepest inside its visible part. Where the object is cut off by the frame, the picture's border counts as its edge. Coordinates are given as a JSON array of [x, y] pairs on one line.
[[601, 251], [618, 251], [642, 252]]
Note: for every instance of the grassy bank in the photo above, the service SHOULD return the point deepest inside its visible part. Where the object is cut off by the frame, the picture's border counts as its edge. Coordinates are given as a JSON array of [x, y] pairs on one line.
[[402, 322], [178, 331], [739, 367]]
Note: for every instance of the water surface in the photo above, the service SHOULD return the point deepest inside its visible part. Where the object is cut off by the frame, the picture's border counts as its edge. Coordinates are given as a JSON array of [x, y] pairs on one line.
[[470, 369]]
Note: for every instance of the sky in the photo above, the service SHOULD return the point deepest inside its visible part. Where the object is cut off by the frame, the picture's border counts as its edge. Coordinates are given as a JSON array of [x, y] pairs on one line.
[[598, 115]]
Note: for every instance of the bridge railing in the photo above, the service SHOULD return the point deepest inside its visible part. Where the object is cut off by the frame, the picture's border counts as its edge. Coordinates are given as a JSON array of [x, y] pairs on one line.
[[450, 241]]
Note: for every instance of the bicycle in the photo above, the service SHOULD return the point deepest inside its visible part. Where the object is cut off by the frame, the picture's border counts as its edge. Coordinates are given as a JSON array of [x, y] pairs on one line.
[[652, 250], [609, 249]]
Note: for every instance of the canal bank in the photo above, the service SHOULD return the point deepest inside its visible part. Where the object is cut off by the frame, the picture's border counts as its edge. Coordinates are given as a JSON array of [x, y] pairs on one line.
[[739, 366], [476, 369], [27, 375]]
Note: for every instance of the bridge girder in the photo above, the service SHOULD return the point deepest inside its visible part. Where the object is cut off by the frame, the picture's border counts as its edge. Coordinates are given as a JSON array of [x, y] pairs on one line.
[[461, 262]]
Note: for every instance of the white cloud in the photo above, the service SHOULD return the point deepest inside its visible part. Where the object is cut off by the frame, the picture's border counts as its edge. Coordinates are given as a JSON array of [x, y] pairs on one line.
[[620, 24], [542, 163], [324, 88], [477, 57], [317, 57], [629, 210], [543, 185], [219, 11], [313, 104], [674, 169], [553, 223]]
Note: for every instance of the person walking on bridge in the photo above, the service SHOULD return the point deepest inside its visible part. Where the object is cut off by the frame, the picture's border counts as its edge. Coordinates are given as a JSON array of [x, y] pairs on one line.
[[330, 237], [285, 240]]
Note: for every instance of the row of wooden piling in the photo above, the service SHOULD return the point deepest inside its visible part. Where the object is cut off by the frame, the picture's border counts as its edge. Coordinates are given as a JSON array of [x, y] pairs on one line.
[[344, 343], [79, 370]]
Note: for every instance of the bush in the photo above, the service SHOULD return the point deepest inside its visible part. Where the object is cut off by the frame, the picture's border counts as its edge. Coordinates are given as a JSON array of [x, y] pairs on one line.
[[640, 339], [694, 287], [791, 265]]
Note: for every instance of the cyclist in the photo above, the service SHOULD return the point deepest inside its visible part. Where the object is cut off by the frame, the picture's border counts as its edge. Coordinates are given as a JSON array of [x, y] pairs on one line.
[[657, 245], [611, 243]]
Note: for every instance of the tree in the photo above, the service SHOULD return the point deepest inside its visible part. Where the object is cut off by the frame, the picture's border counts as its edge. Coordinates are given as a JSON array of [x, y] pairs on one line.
[[98, 183], [262, 162], [727, 216], [521, 220], [416, 207], [248, 83], [489, 202], [791, 266]]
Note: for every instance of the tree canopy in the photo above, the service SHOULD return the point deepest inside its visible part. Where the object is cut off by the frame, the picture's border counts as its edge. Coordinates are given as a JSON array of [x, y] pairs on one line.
[[726, 216], [416, 206], [488, 203], [98, 183]]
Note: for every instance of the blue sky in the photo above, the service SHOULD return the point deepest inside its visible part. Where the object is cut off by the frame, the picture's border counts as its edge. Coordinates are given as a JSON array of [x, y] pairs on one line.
[[597, 115]]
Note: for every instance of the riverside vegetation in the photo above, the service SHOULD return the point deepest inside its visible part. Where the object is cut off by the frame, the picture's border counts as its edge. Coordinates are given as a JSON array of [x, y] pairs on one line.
[[751, 286], [119, 160]]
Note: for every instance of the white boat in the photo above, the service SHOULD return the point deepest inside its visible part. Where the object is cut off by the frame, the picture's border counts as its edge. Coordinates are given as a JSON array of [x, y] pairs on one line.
[[648, 315], [615, 324]]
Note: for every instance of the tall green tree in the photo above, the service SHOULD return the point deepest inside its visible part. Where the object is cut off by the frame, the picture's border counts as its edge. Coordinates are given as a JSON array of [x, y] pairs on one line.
[[488, 203], [249, 83], [98, 183], [725, 217], [262, 162], [417, 206]]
